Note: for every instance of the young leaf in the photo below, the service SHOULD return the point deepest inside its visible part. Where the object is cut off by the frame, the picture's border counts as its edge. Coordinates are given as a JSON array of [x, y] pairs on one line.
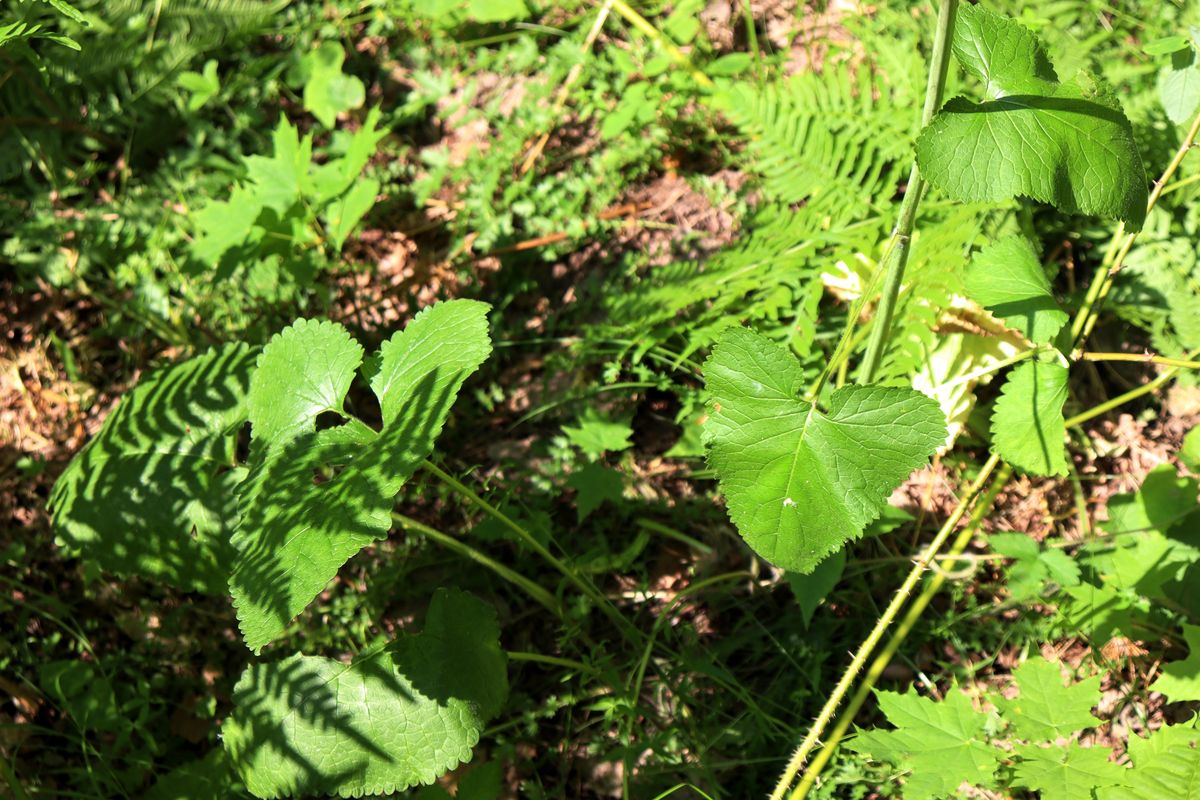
[[281, 180], [1032, 566], [1180, 680], [346, 212], [203, 86], [1064, 143], [150, 494], [1179, 83], [811, 589], [328, 91], [800, 482], [392, 719], [294, 534], [1073, 772], [1046, 709], [941, 743], [1007, 278], [595, 484], [1027, 423], [596, 434]]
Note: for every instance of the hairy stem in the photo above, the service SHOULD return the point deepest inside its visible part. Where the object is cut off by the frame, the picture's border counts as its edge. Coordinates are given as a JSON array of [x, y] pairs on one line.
[[1146, 358], [881, 626], [902, 236], [905, 626]]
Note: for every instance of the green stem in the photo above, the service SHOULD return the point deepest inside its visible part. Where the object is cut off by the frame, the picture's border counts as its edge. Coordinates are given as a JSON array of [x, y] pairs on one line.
[[585, 586], [932, 587], [902, 236], [579, 666], [1121, 399], [462, 548], [881, 626], [1145, 359]]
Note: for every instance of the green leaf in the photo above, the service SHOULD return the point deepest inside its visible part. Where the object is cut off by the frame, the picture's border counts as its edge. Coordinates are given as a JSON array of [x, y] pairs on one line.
[[1064, 143], [1166, 765], [594, 485], [800, 482], [82, 690], [203, 86], [941, 743], [282, 180], [1165, 45], [1179, 85], [810, 590], [150, 494], [1007, 278], [296, 532], [596, 434], [1046, 708], [1032, 566], [1028, 427], [1098, 613], [1189, 451], [344, 214], [1180, 680], [328, 91], [394, 718], [354, 151], [491, 11], [211, 776], [222, 225], [1072, 772]]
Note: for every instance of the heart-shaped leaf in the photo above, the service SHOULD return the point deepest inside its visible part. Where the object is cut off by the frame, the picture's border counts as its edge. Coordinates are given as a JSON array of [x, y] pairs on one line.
[[1027, 422], [800, 482], [1064, 143]]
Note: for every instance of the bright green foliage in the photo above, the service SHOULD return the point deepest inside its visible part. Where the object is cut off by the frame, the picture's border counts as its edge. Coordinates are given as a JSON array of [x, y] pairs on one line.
[[800, 482], [942, 743], [285, 194], [327, 90], [394, 718], [595, 484], [1189, 451], [1007, 279], [1028, 426], [295, 534], [596, 434], [1033, 567], [151, 494], [204, 86], [1180, 680], [1045, 709], [1072, 772], [1179, 81], [1165, 765], [1064, 143], [1099, 613]]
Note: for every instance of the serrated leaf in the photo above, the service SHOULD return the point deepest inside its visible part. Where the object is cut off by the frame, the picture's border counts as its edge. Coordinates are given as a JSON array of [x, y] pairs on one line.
[[940, 742], [1046, 708], [1098, 613], [1028, 426], [1072, 772], [1180, 680], [595, 484], [1166, 765], [596, 434], [281, 180], [800, 482], [149, 495], [395, 718], [1064, 143], [1007, 279], [294, 533]]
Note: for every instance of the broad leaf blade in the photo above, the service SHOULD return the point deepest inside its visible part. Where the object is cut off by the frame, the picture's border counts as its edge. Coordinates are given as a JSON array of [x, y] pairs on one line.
[[800, 482], [1072, 772], [149, 495], [1064, 143], [395, 718], [1045, 707], [1008, 280], [295, 534], [1027, 424]]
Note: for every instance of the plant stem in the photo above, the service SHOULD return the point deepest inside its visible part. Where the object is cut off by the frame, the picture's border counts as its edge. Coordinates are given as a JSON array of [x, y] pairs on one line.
[[1085, 319], [538, 658], [584, 585], [881, 626], [903, 629], [462, 548], [1146, 358], [1122, 399], [902, 236], [642, 24]]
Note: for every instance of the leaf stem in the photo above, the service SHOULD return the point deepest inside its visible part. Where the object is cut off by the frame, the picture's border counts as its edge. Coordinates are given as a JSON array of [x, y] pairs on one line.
[[1085, 319], [462, 548], [932, 587], [881, 626], [902, 235], [1122, 399], [538, 658], [1146, 358], [585, 586]]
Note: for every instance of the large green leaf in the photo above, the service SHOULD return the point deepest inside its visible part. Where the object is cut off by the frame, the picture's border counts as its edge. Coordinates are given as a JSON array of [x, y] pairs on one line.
[[150, 495], [1027, 423], [1045, 708], [394, 718], [800, 482], [1072, 772], [941, 743], [1007, 278], [315, 498], [1065, 143]]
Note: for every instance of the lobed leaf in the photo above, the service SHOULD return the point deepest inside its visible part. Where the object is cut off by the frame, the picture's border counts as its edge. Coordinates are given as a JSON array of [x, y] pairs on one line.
[[800, 482], [1045, 708], [1064, 143]]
